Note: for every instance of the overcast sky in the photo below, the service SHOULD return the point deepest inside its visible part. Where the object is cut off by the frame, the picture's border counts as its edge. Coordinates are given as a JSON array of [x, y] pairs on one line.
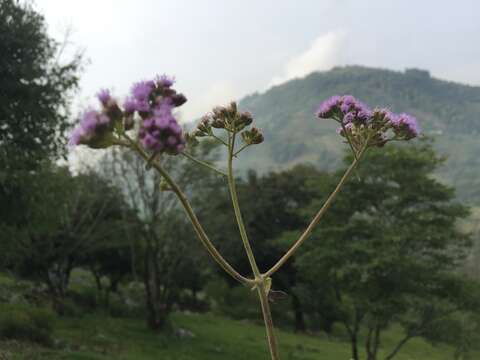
[[221, 50]]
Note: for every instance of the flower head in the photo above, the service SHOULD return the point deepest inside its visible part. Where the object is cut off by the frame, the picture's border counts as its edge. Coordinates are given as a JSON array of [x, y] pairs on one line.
[[161, 132], [94, 130], [141, 91], [104, 96], [344, 108], [405, 126], [326, 108], [129, 105], [361, 126], [153, 100], [165, 81]]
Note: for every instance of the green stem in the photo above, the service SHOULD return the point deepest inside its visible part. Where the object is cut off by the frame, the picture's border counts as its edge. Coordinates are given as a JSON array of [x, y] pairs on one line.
[[267, 318], [239, 150], [193, 218], [236, 207], [318, 216], [261, 281], [203, 163], [349, 140], [218, 139]]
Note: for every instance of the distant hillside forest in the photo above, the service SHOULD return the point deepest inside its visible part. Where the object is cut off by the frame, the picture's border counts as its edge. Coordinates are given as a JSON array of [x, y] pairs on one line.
[[448, 112]]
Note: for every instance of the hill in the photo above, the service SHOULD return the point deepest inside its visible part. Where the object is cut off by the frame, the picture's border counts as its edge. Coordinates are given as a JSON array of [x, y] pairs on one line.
[[448, 112]]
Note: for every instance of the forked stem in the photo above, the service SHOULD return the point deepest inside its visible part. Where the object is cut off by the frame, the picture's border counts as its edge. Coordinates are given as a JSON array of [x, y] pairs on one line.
[[319, 215], [212, 250], [203, 163], [260, 281]]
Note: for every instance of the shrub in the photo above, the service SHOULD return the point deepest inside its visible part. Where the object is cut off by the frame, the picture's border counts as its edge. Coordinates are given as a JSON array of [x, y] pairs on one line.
[[22, 322], [86, 298]]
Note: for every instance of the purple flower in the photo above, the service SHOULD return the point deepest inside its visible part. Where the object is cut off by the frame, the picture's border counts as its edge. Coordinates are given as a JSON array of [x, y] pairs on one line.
[[165, 81], [76, 136], [141, 91], [345, 108], [161, 132], [348, 127], [384, 114], [364, 125], [348, 100], [163, 108], [129, 105], [104, 96], [349, 118], [405, 125], [142, 106], [365, 114], [326, 108], [155, 96], [93, 127]]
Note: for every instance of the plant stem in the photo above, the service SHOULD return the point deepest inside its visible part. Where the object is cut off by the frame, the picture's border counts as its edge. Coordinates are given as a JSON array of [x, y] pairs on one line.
[[193, 218], [349, 140], [267, 318], [218, 139], [239, 150], [236, 207], [259, 279], [318, 216], [203, 163]]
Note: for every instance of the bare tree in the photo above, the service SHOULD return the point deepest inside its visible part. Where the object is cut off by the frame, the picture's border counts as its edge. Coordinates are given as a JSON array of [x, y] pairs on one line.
[[167, 243]]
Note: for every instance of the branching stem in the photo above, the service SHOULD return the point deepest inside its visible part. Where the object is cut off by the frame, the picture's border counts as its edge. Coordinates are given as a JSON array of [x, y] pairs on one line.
[[319, 215], [260, 281], [191, 215], [203, 163]]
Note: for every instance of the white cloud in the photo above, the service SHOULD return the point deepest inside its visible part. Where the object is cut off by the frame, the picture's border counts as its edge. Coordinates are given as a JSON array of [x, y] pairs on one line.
[[323, 54], [219, 93]]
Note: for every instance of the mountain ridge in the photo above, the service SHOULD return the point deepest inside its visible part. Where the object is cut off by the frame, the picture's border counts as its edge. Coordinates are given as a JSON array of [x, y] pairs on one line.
[[447, 111]]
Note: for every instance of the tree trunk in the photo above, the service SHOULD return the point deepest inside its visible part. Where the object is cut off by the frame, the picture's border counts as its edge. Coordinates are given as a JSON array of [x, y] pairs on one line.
[[354, 343], [156, 313], [299, 318]]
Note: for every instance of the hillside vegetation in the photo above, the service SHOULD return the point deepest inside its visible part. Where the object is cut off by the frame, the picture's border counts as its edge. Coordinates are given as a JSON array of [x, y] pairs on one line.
[[210, 337], [448, 112]]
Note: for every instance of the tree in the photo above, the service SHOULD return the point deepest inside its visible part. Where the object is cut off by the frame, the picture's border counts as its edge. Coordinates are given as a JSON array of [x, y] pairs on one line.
[[387, 251], [67, 218], [34, 106], [36, 86], [170, 257]]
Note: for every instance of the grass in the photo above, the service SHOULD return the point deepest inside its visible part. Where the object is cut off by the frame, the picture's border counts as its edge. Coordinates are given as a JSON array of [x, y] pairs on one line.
[[99, 337]]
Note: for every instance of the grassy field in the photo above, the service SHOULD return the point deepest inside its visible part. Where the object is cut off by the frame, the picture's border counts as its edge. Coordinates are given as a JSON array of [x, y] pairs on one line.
[[215, 338]]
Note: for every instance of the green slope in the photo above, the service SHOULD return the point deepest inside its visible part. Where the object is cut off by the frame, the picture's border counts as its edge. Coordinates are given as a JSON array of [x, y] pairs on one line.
[[215, 338], [447, 111]]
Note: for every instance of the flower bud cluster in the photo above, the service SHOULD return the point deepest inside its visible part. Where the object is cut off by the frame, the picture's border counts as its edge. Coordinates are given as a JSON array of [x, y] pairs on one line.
[[359, 123], [252, 136], [231, 120]]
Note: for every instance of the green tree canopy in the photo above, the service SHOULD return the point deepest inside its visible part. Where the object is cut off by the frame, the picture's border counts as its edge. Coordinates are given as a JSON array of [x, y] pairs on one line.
[[387, 250], [36, 85]]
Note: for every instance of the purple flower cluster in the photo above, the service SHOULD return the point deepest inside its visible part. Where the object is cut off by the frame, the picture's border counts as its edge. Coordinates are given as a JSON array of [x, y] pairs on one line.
[[405, 126], [152, 101], [356, 118], [104, 96], [92, 128], [344, 108], [155, 101]]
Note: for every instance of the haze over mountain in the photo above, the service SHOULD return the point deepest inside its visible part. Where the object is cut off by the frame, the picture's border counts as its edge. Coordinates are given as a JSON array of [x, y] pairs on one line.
[[449, 112]]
